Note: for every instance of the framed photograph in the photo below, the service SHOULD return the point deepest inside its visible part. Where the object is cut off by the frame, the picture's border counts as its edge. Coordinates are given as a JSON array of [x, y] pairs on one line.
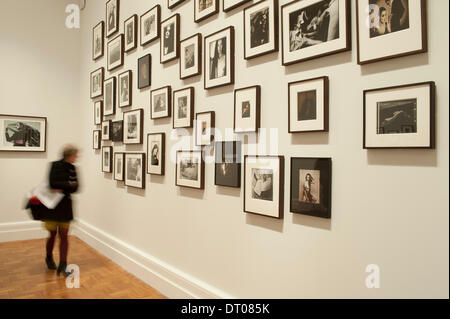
[[117, 131], [204, 9], [98, 112], [204, 125], [190, 56], [106, 130], [169, 46], [183, 108], [261, 29], [229, 5], [145, 71], [150, 22], [135, 170], [130, 30], [133, 126], [160, 102], [112, 17], [264, 185], [219, 58], [247, 109], [107, 159], [190, 169], [311, 186], [23, 133], [96, 139], [390, 29], [125, 88], [173, 3], [308, 105], [119, 166], [98, 42], [228, 164], [109, 102], [400, 116], [97, 78], [156, 143], [115, 52], [314, 28]]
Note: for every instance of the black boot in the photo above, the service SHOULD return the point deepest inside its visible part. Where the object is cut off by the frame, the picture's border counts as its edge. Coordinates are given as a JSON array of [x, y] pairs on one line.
[[50, 263], [62, 269]]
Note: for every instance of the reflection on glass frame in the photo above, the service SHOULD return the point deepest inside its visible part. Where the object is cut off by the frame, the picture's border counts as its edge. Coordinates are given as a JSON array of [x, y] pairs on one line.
[[106, 130], [156, 153], [130, 31], [23, 133], [98, 112], [112, 17], [183, 108], [204, 9], [96, 139], [190, 56], [107, 159], [190, 169], [229, 5], [133, 126], [115, 52], [117, 131], [125, 87], [170, 39], [204, 128], [97, 78], [135, 170], [144, 71], [98, 40], [160, 102], [150, 22], [109, 101], [247, 109], [228, 164], [119, 166]]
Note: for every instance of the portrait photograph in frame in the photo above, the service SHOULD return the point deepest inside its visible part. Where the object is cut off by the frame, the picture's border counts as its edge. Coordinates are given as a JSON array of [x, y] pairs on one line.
[[119, 167], [229, 5], [23, 133], [160, 102], [96, 139], [190, 169], [125, 87], [135, 170], [98, 40], [190, 56], [264, 185], [311, 186], [130, 30], [117, 131], [97, 78], [109, 101], [390, 29], [98, 112], [174, 3], [150, 22], [183, 108], [204, 128], [247, 109], [106, 130], [156, 153], [228, 164], [203, 9], [400, 117], [112, 17], [144, 71], [308, 105], [170, 39], [115, 53], [133, 126], [107, 159], [314, 28]]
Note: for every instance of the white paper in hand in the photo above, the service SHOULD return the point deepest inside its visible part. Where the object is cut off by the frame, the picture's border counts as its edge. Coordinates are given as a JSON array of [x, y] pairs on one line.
[[45, 195]]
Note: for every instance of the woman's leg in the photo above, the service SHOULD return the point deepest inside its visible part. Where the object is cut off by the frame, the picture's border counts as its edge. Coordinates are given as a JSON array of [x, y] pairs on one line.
[[50, 243], [64, 244]]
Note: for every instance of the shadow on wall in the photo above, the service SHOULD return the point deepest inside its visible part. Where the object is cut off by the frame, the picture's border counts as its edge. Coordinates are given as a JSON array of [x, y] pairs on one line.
[[264, 222], [402, 157], [319, 63], [311, 221], [409, 62], [310, 138]]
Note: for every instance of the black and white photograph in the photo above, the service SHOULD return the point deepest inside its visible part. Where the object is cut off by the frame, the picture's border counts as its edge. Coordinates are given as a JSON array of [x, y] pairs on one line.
[[117, 131], [125, 88], [261, 29], [388, 16], [107, 159], [228, 164], [262, 184], [204, 9], [156, 153], [115, 52], [130, 31], [96, 139], [133, 126], [98, 42], [229, 5], [106, 130], [183, 108], [160, 102], [247, 105], [219, 58], [173, 3], [119, 166], [135, 170], [150, 22], [190, 56], [190, 169], [204, 128], [144, 71], [112, 17], [170, 38], [309, 181], [98, 112], [109, 102], [315, 28], [400, 117], [23, 133], [97, 78]]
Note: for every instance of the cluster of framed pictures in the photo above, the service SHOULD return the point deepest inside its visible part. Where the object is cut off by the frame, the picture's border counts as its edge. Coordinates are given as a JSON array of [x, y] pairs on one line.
[[127, 167]]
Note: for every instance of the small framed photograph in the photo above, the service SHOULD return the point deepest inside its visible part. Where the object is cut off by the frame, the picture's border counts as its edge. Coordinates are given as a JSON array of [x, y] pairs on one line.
[[97, 78], [400, 117], [150, 22], [229, 5], [247, 109], [117, 131], [183, 108], [98, 42], [228, 164], [135, 170], [106, 130], [112, 17], [115, 53], [145, 71], [107, 159], [314, 28], [204, 125], [390, 29], [308, 105], [130, 30], [160, 102], [156, 143], [133, 126], [125, 88], [264, 185], [190, 56], [190, 169], [96, 139], [169, 46], [311, 186], [23, 133], [204, 9], [98, 112], [219, 58], [261, 29], [173, 3], [109, 103], [119, 166]]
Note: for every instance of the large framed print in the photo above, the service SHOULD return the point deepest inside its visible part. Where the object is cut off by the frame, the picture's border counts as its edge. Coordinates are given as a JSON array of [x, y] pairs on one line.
[[173, 3], [311, 186], [130, 30], [247, 109], [228, 164], [390, 29], [314, 28], [98, 112], [23, 133], [160, 102], [150, 22], [264, 185], [125, 88], [135, 170], [107, 159], [190, 169], [400, 117], [183, 108], [109, 102], [190, 56], [97, 78], [115, 52], [119, 166], [156, 153], [219, 58], [98, 40], [112, 17], [204, 9], [261, 29], [133, 126], [117, 131], [96, 139], [229, 5], [204, 128], [170, 40], [144, 71], [308, 105], [106, 130]]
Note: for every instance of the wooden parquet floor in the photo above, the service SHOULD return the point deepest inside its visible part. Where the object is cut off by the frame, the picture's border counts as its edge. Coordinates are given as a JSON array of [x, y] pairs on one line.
[[24, 275]]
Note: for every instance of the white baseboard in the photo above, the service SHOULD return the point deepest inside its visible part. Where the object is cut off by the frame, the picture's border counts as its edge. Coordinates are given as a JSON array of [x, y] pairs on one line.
[[22, 231]]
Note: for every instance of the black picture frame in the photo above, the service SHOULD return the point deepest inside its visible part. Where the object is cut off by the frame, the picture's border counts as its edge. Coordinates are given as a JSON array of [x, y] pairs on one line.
[[133, 132], [202, 128], [228, 163], [200, 171], [131, 21], [144, 75], [156, 11], [97, 79], [238, 113], [154, 112], [196, 68], [171, 4], [120, 47], [170, 39], [107, 163], [106, 130], [98, 41], [112, 28], [117, 131], [110, 108], [25, 134], [199, 16], [226, 7], [159, 169], [137, 183], [125, 77], [96, 139], [189, 92], [120, 178]]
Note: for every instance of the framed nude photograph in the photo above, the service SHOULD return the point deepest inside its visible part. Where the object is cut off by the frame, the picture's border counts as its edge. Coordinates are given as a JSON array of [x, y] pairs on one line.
[[98, 112], [261, 29], [135, 170], [228, 164], [106, 130], [23, 133], [311, 186], [389, 29], [314, 28], [204, 128], [264, 185], [308, 105], [109, 102], [125, 88], [190, 56], [173, 3], [112, 17], [247, 109], [150, 22], [130, 30], [98, 40], [183, 108], [204, 9], [219, 58], [190, 169], [107, 159], [119, 166], [117, 131], [156, 153], [145, 71], [96, 139], [400, 116], [229, 5], [97, 78], [133, 126], [170, 39], [160, 102], [115, 53]]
